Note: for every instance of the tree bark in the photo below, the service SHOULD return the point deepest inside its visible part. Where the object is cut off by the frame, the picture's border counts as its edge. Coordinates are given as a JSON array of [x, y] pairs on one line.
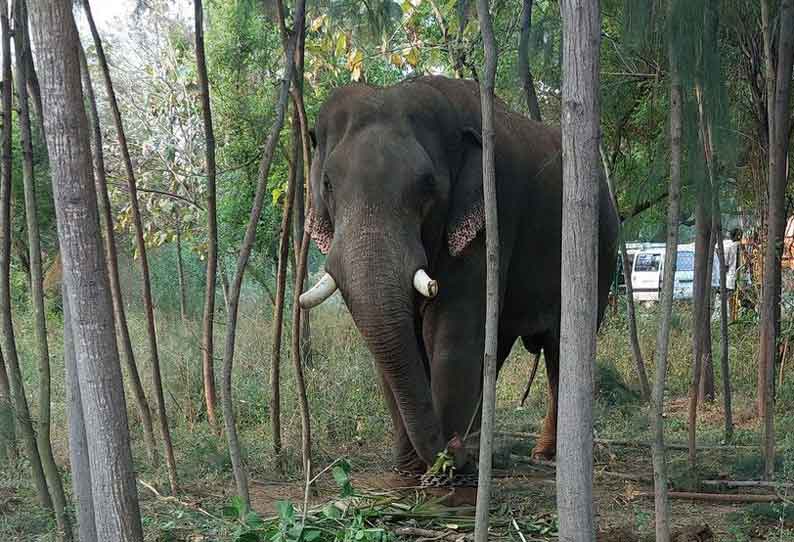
[[43, 442], [208, 319], [8, 437], [300, 273], [148, 304], [776, 218], [240, 475], [111, 257], [524, 73], [278, 307], [180, 271], [705, 127], [661, 497], [16, 386], [492, 271], [634, 340], [85, 278], [78, 443], [581, 24]]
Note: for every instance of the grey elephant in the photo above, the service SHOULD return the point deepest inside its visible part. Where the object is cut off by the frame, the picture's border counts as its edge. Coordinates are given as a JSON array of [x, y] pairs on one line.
[[397, 198]]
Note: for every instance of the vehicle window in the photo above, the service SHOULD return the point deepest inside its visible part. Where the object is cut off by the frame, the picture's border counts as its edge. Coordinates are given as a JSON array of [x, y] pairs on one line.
[[647, 262], [685, 261]]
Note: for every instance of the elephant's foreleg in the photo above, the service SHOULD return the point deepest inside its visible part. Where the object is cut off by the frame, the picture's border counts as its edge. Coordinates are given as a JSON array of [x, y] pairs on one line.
[[546, 447]]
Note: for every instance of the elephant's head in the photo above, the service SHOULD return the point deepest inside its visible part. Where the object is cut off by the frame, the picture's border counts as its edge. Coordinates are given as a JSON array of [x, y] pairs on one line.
[[395, 181]]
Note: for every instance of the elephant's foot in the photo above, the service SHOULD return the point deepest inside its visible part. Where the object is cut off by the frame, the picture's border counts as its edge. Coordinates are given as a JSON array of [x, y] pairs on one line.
[[410, 467], [546, 448]]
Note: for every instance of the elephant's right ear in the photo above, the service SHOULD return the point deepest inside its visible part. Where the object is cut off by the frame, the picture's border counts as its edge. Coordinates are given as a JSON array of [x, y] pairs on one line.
[[466, 216]]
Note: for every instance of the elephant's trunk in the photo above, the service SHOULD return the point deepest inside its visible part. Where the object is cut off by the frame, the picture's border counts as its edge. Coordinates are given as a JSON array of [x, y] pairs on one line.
[[375, 274]]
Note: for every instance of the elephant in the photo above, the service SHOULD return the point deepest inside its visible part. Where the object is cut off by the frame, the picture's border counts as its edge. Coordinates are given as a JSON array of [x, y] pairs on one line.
[[397, 208]]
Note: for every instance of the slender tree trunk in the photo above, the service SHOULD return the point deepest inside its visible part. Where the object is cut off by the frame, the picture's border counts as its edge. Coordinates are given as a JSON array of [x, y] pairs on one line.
[[36, 278], [85, 277], [180, 271], [240, 475], [78, 443], [661, 500], [278, 306], [492, 271], [208, 319], [636, 351], [581, 23], [524, 73], [709, 151], [300, 273], [16, 387], [776, 219], [148, 304], [111, 256], [8, 437]]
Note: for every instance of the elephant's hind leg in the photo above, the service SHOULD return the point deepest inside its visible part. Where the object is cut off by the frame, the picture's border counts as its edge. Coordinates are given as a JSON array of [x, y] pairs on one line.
[[546, 447]]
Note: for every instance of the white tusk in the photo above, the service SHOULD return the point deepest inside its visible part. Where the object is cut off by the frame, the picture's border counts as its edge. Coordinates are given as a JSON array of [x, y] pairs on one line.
[[425, 285], [321, 291]]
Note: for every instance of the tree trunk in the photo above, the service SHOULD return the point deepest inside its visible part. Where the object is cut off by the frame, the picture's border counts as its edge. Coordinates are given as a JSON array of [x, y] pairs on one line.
[[278, 306], [701, 336], [180, 271], [148, 305], [581, 23], [16, 387], [36, 277], [208, 319], [84, 273], [8, 437], [661, 500], [240, 475], [78, 443], [492, 271], [111, 257], [636, 351], [300, 273], [776, 219], [524, 73], [705, 127]]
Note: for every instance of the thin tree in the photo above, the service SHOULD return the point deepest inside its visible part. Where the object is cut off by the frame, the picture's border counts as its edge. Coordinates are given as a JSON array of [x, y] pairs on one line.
[[78, 443], [661, 500], [8, 436], [706, 113], [111, 257], [778, 95], [16, 386], [278, 306], [232, 306], [36, 276], [180, 268], [140, 245], [524, 72], [492, 270], [581, 32], [634, 340], [56, 42], [208, 319]]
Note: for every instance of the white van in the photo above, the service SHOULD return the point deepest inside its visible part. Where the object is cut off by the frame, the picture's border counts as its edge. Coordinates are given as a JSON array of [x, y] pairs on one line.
[[648, 270], [684, 272], [646, 274]]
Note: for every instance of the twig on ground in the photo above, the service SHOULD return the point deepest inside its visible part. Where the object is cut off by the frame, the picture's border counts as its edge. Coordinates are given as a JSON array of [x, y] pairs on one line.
[[716, 497], [168, 498], [518, 530], [427, 534], [747, 483], [637, 444]]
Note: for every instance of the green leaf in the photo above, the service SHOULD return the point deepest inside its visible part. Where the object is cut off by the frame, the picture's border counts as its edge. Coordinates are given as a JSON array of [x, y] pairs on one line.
[[309, 535], [248, 536], [332, 512], [286, 511]]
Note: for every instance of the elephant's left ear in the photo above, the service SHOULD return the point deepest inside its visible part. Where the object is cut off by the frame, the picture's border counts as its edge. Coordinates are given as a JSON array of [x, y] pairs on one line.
[[466, 216]]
